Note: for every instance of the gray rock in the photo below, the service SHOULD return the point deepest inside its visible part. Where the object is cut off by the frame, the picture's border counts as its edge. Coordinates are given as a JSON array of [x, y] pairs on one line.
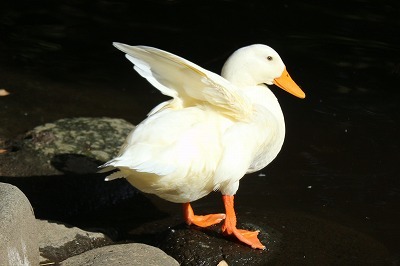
[[96, 138], [191, 245], [123, 254], [58, 242], [59, 161], [18, 234], [43, 149]]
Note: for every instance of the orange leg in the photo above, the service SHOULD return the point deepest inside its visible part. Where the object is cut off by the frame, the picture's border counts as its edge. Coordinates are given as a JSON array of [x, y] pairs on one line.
[[200, 220], [229, 227]]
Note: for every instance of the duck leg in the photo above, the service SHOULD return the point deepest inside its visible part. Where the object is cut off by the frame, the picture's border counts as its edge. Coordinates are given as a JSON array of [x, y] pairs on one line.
[[229, 227], [200, 220]]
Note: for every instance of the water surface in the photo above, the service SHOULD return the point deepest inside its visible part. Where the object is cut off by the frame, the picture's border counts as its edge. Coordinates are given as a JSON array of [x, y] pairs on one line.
[[338, 163]]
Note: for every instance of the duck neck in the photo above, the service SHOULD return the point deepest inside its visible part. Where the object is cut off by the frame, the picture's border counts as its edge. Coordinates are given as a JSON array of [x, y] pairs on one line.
[[263, 96], [239, 79], [235, 72]]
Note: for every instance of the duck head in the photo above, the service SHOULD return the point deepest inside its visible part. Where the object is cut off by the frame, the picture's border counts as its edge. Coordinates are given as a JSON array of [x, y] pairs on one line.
[[259, 64]]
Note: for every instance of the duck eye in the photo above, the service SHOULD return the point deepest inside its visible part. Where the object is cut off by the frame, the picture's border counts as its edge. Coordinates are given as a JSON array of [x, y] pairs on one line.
[[269, 58]]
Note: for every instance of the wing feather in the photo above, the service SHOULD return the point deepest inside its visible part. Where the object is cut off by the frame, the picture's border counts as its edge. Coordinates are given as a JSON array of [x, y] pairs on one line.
[[187, 83]]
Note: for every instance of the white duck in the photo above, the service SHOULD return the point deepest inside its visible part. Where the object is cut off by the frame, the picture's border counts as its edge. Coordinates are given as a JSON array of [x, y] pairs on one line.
[[213, 131]]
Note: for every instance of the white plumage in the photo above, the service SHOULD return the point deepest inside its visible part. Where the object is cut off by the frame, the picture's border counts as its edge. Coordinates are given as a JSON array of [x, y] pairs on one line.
[[213, 131]]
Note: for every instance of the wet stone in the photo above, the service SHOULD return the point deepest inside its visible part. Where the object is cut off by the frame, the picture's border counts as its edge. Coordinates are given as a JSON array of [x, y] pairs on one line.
[[97, 138], [58, 241], [122, 254], [192, 245], [18, 234], [56, 165]]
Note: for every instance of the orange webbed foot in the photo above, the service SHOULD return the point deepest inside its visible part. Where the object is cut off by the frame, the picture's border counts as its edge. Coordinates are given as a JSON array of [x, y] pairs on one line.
[[201, 220], [207, 220], [229, 228], [248, 237]]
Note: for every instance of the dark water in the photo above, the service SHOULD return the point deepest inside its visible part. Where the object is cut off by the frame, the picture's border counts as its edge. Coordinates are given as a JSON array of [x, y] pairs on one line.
[[338, 165]]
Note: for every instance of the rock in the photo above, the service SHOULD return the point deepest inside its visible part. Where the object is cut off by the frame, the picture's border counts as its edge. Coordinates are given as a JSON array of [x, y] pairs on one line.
[[199, 246], [58, 242], [123, 254], [96, 138], [18, 234], [192, 245], [59, 161]]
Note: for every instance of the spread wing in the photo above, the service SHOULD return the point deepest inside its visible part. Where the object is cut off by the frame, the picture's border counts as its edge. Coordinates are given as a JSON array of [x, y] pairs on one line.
[[187, 83]]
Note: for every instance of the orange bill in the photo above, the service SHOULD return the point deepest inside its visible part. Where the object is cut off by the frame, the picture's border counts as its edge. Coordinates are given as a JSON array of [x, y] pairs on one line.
[[285, 82]]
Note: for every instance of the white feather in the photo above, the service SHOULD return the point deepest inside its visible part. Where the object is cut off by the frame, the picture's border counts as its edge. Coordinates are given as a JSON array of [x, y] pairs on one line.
[[211, 133]]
